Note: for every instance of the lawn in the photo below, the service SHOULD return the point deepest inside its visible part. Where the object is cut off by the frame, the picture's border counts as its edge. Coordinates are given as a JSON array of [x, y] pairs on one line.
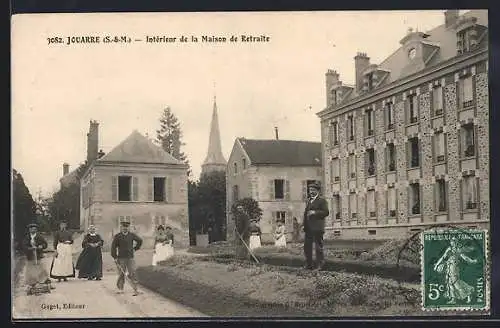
[[246, 289]]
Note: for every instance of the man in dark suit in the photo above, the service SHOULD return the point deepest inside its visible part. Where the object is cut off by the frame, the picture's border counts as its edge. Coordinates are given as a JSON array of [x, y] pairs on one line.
[[314, 226]]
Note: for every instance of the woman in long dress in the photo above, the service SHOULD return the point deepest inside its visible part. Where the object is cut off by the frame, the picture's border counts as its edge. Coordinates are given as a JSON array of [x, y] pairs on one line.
[[450, 264], [163, 244], [280, 235], [89, 263], [62, 265], [255, 233]]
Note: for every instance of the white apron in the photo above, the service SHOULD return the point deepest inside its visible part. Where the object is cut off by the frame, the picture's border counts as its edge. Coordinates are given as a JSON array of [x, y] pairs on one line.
[[255, 242], [62, 265], [162, 252], [280, 242]]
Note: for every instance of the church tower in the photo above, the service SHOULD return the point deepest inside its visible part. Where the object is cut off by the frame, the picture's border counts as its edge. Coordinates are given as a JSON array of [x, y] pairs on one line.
[[215, 160]]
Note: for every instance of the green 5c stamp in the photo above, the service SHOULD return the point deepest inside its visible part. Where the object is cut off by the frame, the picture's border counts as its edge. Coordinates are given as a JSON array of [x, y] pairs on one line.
[[454, 270]]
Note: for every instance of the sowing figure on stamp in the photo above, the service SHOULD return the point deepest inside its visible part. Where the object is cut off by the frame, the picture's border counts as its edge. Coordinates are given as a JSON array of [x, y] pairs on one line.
[[450, 264]]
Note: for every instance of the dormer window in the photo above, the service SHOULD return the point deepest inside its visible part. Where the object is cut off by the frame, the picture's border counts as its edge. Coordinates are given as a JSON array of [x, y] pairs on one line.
[[369, 77], [463, 42]]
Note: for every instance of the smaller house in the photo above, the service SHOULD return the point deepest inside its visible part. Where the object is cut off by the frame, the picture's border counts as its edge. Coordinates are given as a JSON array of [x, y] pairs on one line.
[[275, 173], [138, 181]]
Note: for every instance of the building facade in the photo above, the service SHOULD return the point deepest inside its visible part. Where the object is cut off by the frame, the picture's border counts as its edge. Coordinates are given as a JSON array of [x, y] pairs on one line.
[[408, 145], [139, 181], [275, 173]]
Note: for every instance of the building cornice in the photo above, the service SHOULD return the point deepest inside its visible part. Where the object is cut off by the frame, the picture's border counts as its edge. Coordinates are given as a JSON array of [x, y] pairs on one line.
[[408, 82], [139, 164]]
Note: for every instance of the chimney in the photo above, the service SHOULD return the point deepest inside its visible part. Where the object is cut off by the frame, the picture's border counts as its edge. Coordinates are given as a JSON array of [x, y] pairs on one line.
[[92, 142], [361, 62], [65, 169], [276, 132], [451, 17], [331, 77]]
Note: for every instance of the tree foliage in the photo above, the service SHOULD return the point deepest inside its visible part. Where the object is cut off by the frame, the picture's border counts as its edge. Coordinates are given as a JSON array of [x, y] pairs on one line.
[[169, 136], [24, 207], [251, 207]]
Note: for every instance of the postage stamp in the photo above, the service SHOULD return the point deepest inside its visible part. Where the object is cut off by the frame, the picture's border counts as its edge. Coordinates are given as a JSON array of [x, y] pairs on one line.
[[454, 268]]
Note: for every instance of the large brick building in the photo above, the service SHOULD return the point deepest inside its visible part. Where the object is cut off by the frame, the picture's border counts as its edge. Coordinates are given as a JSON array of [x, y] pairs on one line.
[[408, 145], [275, 173]]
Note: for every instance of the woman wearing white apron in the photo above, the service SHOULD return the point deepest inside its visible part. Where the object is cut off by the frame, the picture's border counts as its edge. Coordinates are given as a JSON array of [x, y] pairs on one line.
[[254, 235], [279, 235], [62, 265], [163, 245]]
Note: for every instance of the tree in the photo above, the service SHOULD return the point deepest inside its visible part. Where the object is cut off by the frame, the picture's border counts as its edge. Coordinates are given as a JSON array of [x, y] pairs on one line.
[[23, 206], [169, 136], [251, 207], [212, 196]]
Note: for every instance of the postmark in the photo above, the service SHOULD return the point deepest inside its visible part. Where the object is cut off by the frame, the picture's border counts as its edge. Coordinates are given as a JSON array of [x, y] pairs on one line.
[[454, 270]]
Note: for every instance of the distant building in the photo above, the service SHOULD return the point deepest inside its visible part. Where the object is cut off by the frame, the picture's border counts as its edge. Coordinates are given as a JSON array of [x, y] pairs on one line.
[[215, 160], [408, 145], [139, 181], [276, 174]]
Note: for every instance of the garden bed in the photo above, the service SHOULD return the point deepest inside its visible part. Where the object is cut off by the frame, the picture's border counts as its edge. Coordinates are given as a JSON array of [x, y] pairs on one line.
[[245, 289]]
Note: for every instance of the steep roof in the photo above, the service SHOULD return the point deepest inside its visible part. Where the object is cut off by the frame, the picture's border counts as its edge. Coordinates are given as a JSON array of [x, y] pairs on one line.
[[137, 148], [214, 152], [441, 36], [282, 152]]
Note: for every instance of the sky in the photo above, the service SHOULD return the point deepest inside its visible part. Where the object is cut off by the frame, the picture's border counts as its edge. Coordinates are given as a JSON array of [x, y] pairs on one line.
[[57, 88]]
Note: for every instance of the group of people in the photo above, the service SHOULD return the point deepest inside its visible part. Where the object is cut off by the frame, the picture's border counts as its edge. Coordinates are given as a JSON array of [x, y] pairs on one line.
[[313, 226], [89, 263]]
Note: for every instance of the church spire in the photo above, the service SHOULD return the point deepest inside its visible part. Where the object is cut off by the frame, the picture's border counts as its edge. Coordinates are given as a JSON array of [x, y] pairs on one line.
[[215, 160]]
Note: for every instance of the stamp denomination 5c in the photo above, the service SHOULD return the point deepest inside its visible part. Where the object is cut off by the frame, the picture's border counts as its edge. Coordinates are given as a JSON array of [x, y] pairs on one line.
[[455, 270]]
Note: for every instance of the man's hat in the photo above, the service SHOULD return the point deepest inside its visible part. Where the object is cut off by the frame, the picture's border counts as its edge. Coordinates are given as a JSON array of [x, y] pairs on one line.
[[125, 222], [63, 221], [315, 185], [32, 225]]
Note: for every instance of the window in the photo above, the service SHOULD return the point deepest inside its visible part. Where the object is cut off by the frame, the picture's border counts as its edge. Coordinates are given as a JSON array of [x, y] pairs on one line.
[[124, 188], [468, 142], [465, 92], [441, 195], [437, 100], [370, 81], [336, 207], [236, 193], [414, 152], [391, 201], [370, 203], [279, 189], [414, 198], [469, 190], [352, 166], [335, 165], [369, 122], [464, 41], [412, 109], [336, 233], [159, 189], [439, 147], [350, 128], [335, 133], [391, 157], [235, 168], [281, 215], [372, 232], [353, 205], [244, 163], [389, 112], [370, 161]]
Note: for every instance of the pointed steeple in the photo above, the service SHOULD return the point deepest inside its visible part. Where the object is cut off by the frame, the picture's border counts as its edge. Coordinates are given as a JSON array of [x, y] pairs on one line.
[[215, 159]]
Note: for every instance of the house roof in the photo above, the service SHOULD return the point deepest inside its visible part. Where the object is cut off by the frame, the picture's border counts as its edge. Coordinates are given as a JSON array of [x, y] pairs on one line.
[[137, 148], [440, 43], [282, 152], [70, 177]]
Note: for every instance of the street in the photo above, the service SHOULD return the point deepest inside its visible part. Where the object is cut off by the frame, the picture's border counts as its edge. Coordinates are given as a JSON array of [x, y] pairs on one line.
[[79, 298]]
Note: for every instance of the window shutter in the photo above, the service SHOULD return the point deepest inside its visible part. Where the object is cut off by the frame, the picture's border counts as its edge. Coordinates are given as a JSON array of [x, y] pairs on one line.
[[271, 190], [304, 190], [467, 89], [288, 218], [150, 189], [135, 189], [391, 195], [287, 190], [114, 188], [371, 201], [168, 189]]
